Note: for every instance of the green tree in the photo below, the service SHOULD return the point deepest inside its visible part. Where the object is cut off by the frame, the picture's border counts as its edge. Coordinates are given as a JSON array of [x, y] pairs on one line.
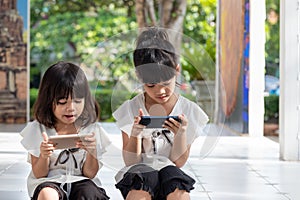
[[200, 25], [91, 33], [165, 13], [191, 18], [272, 37], [71, 29]]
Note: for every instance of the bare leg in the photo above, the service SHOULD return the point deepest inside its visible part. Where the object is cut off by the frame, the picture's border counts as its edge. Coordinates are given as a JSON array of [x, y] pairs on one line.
[[138, 195], [48, 193], [178, 194]]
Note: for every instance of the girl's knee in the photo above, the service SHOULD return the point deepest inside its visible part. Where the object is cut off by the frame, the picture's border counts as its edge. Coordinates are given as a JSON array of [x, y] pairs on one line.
[[178, 194], [138, 195], [48, 193]]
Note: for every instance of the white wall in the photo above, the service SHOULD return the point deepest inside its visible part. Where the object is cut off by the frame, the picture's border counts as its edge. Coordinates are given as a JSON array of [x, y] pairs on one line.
[[289, 117]]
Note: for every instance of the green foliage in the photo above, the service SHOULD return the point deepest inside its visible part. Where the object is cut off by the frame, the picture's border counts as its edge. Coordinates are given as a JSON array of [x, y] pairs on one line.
[[200, 26], [272, 47], [197, 63], [44, 8], [272, 37], [271, 107], [71, 30], [62, 33], [200, 23], [103, 97], [33, 96]]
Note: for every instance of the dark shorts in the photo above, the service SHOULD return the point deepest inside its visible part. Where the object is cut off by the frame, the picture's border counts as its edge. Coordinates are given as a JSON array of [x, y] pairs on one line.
[[158, 183], [83, 190]]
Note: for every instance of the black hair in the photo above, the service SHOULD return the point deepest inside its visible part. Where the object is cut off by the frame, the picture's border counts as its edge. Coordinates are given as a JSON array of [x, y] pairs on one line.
[[59, 81], [154, 58]]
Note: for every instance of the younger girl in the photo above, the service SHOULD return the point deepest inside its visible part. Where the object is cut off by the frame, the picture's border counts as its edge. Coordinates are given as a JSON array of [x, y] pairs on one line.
[[154, 156], [65, 106]]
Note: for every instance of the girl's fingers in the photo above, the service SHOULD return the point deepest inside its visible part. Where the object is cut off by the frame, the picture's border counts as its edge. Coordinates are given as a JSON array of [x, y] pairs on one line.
[[174, 125], [87, 142], [141, 113], [45, 145], [183, 119], [137, 120], [46, 149], [174, 122]]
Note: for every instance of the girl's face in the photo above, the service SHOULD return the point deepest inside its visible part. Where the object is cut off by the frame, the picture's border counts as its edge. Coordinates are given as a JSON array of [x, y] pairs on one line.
[[161, 92], [68, 110]]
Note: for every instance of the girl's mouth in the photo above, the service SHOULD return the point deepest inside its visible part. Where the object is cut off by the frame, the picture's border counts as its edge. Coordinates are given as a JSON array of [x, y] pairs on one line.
[[162, 96], [69, 116]]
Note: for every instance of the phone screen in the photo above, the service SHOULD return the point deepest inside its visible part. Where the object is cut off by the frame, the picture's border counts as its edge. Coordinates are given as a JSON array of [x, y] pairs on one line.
[[156, 121]]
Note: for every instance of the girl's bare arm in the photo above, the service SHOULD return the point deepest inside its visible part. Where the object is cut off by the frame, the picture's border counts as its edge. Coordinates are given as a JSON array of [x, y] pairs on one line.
[[91, 164], [132, 149], [40, 165]]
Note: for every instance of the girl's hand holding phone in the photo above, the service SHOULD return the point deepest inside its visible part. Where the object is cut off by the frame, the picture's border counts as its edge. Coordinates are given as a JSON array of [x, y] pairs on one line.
[[175, 126], [137, 128], [88, 143], [46, 148]]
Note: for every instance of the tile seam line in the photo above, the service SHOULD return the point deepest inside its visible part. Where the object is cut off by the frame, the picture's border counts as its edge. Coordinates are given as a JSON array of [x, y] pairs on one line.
[[199, 181], [267, 181]]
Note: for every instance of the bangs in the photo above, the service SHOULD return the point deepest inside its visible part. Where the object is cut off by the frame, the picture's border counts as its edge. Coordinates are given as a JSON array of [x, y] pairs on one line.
[[73, 87], [153, 73]]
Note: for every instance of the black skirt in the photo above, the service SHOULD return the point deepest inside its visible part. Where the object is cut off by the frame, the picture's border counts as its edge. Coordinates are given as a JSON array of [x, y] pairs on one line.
[[158, 183], [84, 189]]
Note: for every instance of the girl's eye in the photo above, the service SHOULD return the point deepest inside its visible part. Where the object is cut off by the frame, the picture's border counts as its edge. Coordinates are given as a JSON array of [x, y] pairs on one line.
[[166, 84], [150, 85], [78, 100], [61, 102]]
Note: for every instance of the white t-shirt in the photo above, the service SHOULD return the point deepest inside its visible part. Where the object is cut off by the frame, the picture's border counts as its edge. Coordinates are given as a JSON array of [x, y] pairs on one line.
[[61, 173], [124, 115]]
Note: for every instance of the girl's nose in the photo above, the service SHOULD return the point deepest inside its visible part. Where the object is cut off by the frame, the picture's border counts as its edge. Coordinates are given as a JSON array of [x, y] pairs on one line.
[[70, 106], [161, 88]]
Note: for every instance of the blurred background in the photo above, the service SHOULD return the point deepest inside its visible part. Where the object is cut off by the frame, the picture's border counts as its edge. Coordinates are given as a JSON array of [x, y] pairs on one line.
[[99, 35]]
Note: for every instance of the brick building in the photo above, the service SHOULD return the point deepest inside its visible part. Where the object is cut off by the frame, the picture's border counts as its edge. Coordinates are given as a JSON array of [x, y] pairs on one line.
[[13, 62]]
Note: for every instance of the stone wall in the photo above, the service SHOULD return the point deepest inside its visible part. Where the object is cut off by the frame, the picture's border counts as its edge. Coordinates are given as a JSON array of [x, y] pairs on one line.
[[13, 62]]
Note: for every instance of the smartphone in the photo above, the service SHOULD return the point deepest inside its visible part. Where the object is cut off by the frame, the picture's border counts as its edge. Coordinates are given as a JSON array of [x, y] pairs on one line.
[[156, 121], [65, 141]]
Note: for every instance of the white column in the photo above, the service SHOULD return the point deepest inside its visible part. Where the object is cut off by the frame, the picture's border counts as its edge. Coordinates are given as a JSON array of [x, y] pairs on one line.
[[289, 117], [257, 67]]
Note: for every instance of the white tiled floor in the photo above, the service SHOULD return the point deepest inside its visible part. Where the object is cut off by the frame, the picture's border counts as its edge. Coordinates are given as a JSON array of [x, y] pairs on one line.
[[225, 167], [247, 168]]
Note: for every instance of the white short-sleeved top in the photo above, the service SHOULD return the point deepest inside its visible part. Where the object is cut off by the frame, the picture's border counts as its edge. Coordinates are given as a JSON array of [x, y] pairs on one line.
[[61, 173], [197, 119]]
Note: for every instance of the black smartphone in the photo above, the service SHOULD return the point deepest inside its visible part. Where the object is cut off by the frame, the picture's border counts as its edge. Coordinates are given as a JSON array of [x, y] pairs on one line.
[[156, 121]]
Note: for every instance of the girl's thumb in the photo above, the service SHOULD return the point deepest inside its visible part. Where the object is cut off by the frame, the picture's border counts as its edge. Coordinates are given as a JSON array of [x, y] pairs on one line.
[[45, 136], [141, 113]]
